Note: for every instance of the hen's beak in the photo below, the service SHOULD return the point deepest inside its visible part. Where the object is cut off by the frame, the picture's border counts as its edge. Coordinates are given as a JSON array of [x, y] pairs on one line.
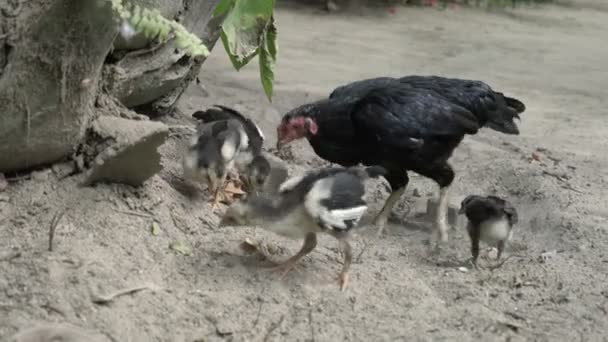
[[461, 211]]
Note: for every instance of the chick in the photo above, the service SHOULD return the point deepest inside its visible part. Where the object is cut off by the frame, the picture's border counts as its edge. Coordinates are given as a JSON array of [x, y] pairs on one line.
[[257, 173], [212, 153], [491, 220], [329, 200], [227, 143]]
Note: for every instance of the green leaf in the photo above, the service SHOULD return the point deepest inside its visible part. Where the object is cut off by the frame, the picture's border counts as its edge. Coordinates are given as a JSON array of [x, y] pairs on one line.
[[243, 29], [222, 7], [179, 247], [268, 59]]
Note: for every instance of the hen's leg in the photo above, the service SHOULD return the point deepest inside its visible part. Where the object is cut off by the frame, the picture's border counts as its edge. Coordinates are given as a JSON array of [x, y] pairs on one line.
[[348, 259], [382, 217], [440, 222], [310, 242], [444, 176]]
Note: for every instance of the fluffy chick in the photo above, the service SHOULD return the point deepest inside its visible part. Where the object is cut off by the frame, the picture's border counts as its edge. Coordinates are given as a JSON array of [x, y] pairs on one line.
[[329, 200], [212, 154], [491, 220], [257, 173], [251, 164]]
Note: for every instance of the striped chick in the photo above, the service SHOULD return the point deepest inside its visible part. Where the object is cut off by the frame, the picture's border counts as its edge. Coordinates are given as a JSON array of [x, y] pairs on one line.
[[329, 200]]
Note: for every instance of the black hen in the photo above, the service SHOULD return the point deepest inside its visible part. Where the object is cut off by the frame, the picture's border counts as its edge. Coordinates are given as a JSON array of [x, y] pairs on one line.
[[413, 123]]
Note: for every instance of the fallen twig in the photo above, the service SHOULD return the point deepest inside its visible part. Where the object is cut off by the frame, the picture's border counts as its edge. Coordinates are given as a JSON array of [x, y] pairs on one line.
[[105, 299], [273, 327], [502, 262], [563, 180], [135, 213], [53, 227], [257, 316], [516, 316], [312, 330]]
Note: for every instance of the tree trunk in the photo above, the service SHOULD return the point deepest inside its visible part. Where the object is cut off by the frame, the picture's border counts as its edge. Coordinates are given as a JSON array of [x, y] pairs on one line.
[[55, 63]]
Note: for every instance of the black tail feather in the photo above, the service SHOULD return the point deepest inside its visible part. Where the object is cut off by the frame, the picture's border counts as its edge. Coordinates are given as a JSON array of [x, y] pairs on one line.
[[515, 104]]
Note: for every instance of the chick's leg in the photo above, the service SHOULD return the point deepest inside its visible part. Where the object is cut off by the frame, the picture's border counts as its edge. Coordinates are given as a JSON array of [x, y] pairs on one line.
[[310, 242], [382, 217], [218, 192], [348, 258]]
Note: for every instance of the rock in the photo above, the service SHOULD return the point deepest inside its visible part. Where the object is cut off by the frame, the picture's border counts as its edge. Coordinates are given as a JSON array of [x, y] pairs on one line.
[[56, 332], [63, 170], [133, 157], [454, 219], [41, 176]]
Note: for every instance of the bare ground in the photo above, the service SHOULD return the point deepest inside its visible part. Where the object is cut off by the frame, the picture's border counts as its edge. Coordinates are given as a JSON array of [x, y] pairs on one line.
[[555, 285]]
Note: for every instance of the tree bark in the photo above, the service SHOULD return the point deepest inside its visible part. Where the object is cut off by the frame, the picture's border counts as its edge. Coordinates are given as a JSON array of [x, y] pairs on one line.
[[55, 63]]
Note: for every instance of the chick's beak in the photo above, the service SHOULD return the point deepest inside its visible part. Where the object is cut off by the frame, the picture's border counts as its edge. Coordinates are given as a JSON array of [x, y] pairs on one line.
[[461, 211]]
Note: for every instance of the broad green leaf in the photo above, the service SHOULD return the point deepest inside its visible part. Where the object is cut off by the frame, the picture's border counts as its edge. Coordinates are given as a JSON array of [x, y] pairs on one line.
[[268, 59], [222, 7], [243, 29]]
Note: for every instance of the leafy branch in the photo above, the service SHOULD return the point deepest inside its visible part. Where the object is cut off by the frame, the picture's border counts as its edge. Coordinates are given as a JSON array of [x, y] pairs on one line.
[[248, 30], [154, 26]]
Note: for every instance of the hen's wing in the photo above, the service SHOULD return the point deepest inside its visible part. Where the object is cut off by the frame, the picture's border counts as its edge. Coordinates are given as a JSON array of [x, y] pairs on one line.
[[401, 116], [358, 89]]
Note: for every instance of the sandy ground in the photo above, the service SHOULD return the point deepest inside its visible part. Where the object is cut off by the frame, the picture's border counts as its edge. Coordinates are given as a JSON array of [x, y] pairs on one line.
[[555, 284]]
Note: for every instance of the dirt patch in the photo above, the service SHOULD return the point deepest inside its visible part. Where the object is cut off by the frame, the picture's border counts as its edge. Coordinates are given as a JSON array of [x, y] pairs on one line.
[[115, 237]]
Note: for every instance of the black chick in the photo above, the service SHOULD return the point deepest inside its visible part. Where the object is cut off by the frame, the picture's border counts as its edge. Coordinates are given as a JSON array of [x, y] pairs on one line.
[[211, 154], [408, 124], [329, 200], [491, 220], [228, 140]]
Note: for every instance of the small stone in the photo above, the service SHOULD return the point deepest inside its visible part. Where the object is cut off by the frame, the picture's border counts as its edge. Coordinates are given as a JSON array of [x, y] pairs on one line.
[[41, 176], [463, 269], [63, 170]]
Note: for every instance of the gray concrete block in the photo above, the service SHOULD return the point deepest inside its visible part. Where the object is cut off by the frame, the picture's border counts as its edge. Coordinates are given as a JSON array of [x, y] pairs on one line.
[[133, 157]]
